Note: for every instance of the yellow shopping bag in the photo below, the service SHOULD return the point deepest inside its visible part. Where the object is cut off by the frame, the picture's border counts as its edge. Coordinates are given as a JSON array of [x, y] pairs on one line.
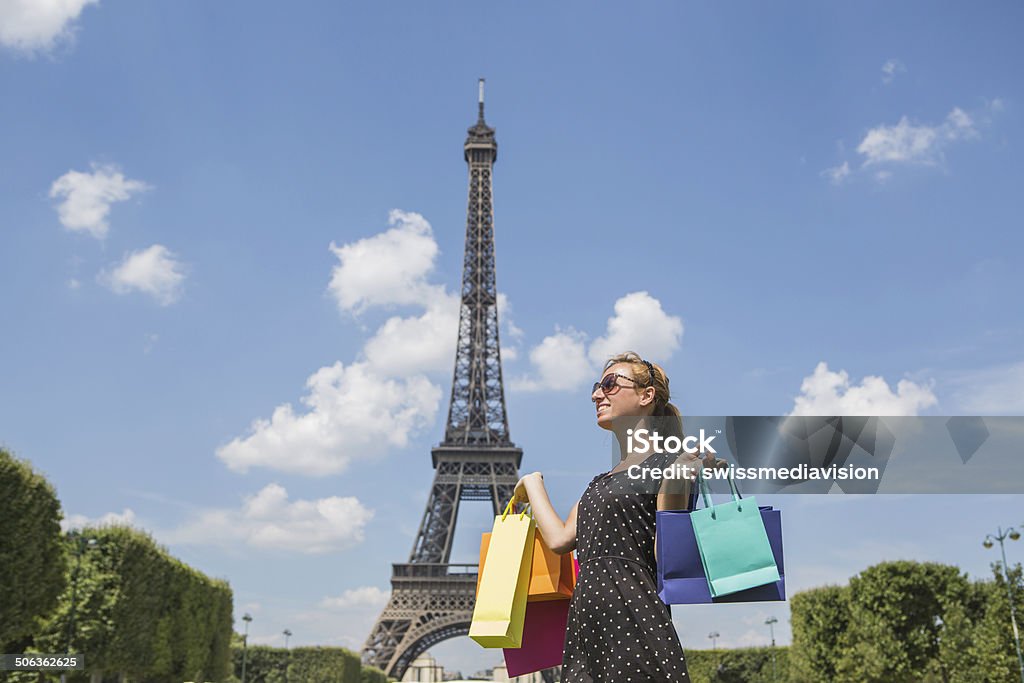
[[504, 581], [551, 577]]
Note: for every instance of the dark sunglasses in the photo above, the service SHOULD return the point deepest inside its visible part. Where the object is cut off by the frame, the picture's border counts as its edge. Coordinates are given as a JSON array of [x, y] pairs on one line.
[[609, 384]]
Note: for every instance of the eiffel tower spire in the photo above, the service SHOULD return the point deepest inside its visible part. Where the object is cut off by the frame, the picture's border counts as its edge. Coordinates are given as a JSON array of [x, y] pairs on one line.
[[431, 599], [476, 414]]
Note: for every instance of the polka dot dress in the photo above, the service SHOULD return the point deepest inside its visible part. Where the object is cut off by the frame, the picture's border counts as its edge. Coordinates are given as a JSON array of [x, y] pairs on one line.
[[619, 630]]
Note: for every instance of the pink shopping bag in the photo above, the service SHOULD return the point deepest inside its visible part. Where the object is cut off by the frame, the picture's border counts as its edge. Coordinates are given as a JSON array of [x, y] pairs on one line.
[[543, 638]]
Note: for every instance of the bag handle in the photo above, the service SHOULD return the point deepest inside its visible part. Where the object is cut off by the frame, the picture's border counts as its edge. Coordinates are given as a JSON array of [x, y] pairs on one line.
[[705, 491], [511, 508]]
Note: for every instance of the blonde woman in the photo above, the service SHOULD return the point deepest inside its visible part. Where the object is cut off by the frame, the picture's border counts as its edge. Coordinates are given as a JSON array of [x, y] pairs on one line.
[[619, 630]]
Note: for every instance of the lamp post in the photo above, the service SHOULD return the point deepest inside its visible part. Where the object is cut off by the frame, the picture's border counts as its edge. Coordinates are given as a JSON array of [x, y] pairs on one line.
[[771, 621], [245, 642], [287, 635], [714, 635], [81, 545], [1001, 536]]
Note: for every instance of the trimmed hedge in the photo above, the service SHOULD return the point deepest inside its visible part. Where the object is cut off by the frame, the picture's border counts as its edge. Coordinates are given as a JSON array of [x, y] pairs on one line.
[[302, 665], [142, 613], [741, 665], [31, 552]]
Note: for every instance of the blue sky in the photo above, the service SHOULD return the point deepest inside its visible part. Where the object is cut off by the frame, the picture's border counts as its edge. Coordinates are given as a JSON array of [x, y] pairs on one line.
[[813, 207]]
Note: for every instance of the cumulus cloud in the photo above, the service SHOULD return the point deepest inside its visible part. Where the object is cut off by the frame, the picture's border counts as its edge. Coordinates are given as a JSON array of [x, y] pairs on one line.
[[270, 521], [38, 25], [825, 392], [123, 518], [376, 403], [154, 271], [419, 343], [639, 324], [386, 269], [354, 411], [364, 596], [86, 197], [564, 361], [392, 390], [909, 143], [890, 69], [558, 363]]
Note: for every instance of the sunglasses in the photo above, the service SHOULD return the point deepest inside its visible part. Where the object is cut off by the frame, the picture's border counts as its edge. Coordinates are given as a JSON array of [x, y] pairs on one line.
[[609, 384]]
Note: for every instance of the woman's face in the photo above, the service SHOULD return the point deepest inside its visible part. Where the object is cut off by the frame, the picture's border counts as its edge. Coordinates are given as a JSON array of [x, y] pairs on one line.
[[624, 399]]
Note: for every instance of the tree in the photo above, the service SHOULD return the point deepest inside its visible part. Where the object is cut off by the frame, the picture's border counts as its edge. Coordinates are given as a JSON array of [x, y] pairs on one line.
[[819, 618], [31, 552], [897, 612]]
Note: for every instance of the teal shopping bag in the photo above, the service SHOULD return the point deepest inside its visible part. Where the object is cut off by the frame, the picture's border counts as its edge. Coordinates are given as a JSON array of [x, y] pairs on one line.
[[733, 543]]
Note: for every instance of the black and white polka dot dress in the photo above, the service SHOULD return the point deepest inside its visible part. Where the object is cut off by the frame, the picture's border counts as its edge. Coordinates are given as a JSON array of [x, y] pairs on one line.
[[619, 630]]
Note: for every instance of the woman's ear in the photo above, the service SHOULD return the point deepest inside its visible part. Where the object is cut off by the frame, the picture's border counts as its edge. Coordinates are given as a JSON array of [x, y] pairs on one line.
[[647, 396]]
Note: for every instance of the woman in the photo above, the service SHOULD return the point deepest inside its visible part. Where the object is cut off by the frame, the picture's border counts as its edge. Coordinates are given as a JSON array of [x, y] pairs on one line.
[[619, 630]]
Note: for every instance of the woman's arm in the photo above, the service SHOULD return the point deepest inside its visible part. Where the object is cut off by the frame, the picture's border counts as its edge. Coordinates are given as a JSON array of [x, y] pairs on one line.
[[560, 536]]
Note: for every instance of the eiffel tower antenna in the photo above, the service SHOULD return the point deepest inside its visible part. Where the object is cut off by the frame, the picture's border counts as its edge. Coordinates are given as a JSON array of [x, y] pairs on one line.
[[431, 599]]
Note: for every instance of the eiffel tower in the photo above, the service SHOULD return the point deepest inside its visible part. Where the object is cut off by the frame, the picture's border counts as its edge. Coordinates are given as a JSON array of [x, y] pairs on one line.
[[431, 599]]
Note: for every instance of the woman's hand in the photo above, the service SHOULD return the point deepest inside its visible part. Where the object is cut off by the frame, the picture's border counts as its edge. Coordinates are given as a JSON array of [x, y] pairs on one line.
[[521, 495]]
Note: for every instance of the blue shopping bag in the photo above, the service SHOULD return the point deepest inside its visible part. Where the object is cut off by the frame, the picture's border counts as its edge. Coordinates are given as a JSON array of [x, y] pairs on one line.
[[682, 579]]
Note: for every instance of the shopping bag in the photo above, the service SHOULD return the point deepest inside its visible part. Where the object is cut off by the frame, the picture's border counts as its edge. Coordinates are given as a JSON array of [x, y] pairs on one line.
[[543, 638], [681, 577], [504, 578], [733, 543], [551, 575]]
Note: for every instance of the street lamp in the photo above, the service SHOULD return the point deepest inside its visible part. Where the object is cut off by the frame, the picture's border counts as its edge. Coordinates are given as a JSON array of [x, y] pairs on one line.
[[81, 545], [771, 621], [245, 642], [1013, 535], [714, 635], [287, 635]]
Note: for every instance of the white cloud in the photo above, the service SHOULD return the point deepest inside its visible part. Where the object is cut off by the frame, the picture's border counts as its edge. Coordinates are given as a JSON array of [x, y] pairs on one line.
[[386, 269], [558, 363], [837, 174], [87, 197], [354, 411], [563, 362], [830, 393], [38, 25], [379, 401], [908, 143], [124, 518], [890, 69], [364, 596], [154, 271], [269, 520], [990, 391], [639, 324], [423, 343]]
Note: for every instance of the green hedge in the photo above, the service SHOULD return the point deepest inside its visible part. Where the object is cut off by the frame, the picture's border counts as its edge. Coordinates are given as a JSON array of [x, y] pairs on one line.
[[141, 612], [302, 665], [31, 553], [741, 665], [372, 674]]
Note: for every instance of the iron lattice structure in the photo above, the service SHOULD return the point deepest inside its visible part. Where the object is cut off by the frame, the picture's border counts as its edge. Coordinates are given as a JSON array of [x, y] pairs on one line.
[[431, 599]]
